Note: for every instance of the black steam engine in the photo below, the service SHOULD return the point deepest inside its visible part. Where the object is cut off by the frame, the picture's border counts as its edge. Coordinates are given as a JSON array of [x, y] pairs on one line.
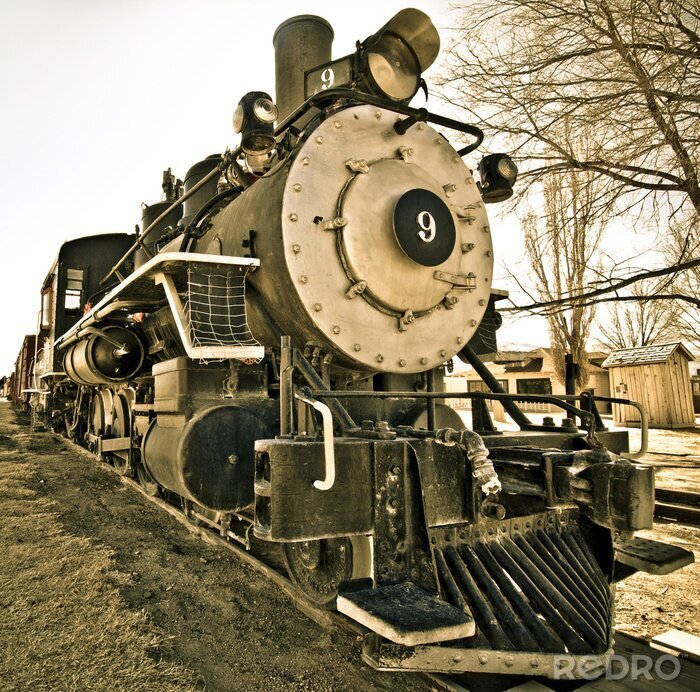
[[271, 351]]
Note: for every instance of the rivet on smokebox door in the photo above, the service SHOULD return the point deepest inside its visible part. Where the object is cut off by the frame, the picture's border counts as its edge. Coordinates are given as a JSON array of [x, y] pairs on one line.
[[377, 114], [357, 347], [421, 126], [296, 187], [443, 353], [303, 278], [473, 323], [319, 139], [296, 249], [380, 358], [293, 217], [402, 363], [460, 340], [317, 307], [336, 329], [482, 302], [423, 361], [305, 161], [337, 124]]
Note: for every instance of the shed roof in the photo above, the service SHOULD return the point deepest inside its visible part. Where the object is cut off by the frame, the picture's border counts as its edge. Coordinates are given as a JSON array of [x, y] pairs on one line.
[[643, 355]]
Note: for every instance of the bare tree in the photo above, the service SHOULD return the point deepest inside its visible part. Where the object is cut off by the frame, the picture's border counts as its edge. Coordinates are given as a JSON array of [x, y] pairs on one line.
[[644, 321], [627, 72], [624, 72], [561, 246], [683, 240]]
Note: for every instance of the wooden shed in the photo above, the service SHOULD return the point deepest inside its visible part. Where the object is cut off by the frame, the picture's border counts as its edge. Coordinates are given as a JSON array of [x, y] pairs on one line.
[[658, 377]]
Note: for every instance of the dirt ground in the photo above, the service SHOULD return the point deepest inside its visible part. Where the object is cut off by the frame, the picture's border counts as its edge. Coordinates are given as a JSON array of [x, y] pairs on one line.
[[205, 621], [211, 615]]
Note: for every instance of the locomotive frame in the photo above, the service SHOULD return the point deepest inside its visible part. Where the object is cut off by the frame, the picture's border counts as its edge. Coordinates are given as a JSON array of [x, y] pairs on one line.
[[259, 363]]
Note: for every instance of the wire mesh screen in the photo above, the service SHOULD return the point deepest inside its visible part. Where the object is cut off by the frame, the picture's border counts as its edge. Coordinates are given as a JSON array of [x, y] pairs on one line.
[[215, 306]]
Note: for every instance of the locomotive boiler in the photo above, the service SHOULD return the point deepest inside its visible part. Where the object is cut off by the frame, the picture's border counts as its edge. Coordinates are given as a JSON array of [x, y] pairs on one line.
[[273, 355]]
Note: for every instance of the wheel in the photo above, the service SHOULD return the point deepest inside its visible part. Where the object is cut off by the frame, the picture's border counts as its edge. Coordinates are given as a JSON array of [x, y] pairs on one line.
[[100, 417], [318, 567], [147, 482], [121, 427]]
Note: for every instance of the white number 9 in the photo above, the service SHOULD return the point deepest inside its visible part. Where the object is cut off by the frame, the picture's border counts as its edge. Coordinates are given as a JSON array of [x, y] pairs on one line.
[[327, 78], [426, 223]]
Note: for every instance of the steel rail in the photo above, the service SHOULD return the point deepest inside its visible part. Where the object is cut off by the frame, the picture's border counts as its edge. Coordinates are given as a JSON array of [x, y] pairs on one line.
[[324, 618]]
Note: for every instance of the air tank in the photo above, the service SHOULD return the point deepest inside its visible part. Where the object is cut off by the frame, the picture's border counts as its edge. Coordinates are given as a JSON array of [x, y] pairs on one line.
[[105, 356], [209, 459]]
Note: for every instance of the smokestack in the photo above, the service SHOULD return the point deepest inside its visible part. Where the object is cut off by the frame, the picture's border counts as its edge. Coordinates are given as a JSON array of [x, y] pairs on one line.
[[300, 43]]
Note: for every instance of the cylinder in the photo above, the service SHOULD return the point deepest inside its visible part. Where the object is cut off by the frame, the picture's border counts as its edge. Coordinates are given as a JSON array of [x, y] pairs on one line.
[[301, 43], [208, 460], [106, 356], [200, 169], [148, 215]]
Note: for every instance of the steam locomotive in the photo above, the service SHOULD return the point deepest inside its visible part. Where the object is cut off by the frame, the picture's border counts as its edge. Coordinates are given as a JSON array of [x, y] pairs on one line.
[[271, 350]]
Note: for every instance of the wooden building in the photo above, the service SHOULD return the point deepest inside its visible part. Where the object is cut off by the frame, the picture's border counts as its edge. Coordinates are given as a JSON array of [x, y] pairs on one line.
[[526, 372], [658, 377]]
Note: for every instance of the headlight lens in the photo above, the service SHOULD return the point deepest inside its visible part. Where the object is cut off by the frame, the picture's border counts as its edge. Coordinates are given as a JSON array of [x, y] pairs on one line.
[[394, 68], [265, 111], [507, 169], [238, 115]]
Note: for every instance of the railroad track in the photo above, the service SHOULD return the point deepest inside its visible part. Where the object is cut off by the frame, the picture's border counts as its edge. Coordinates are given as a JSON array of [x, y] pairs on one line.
[[324, 618], [670, 504], [677, 505]]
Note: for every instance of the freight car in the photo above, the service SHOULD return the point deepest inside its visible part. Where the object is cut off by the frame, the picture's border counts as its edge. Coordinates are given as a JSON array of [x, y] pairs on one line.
[[274, 358], [22, 378]]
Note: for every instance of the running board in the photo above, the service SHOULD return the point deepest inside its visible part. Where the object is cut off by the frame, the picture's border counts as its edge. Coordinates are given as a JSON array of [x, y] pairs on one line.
[[404, 613]]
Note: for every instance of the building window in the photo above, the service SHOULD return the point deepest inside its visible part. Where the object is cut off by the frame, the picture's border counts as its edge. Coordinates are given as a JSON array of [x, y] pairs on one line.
[[480, 386], [74, 291], [535, 385]]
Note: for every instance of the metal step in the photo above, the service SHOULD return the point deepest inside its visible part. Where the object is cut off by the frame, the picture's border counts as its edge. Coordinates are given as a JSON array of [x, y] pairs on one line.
[[404, 613], [653, 557]]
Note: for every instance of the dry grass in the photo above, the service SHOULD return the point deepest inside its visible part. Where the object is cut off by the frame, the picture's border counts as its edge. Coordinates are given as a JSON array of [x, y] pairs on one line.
[[63, 624]]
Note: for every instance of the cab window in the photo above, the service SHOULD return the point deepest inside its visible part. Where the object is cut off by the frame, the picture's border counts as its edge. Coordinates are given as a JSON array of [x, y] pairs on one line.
[[74, 291]]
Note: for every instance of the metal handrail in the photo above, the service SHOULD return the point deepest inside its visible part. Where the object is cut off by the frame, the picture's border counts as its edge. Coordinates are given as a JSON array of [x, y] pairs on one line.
[[415, 114], [557, 400]]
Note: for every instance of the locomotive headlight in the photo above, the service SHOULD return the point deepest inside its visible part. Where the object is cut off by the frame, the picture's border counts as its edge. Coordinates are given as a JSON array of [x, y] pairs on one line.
[[498, 174], [388, 63], [254, 118], [392, 60]]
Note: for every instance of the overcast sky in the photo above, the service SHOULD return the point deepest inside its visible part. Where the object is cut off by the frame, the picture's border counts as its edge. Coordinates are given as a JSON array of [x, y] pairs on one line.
[[98, 97]]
